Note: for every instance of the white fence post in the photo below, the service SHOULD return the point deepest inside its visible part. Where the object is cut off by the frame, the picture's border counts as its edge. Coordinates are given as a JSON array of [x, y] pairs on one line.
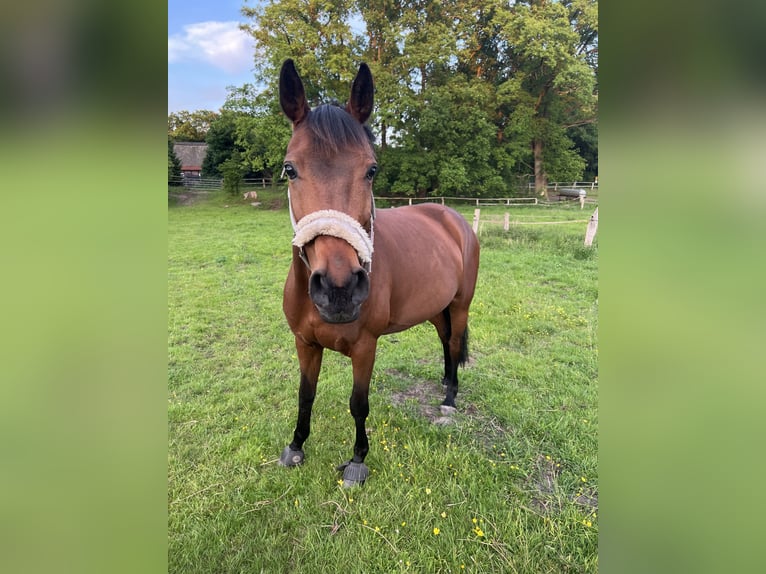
[[476, 213], [590, 232]]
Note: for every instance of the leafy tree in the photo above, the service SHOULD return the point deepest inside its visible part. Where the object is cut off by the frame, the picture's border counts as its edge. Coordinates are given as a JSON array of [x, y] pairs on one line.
[[174, 165], [549, 53], [472, 96], [585, 138], [220, 144], [316, 34], [260, 132], [190, 126], [449, 150], [232, 171]]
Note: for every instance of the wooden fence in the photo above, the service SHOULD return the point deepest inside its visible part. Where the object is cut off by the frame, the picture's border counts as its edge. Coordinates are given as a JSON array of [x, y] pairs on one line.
[[590, 231], [212, 183]]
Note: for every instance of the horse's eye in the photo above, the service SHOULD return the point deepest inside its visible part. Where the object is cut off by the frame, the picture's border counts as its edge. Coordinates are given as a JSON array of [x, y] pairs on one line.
[[290, 171], [371, 172]]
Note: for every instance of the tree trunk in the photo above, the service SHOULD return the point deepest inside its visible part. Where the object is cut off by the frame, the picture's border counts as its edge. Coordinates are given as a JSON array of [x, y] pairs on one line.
[[541, 178], [383, 142]]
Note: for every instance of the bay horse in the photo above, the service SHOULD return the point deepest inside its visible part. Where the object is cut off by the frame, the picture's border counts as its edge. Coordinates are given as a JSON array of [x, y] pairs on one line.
[[358, 273]]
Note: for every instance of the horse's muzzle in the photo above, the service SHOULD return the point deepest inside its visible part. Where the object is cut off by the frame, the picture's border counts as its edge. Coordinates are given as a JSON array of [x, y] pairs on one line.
[[339, 303]]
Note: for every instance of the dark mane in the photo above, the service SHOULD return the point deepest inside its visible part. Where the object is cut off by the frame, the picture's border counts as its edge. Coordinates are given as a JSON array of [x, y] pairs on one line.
[[334, 129]]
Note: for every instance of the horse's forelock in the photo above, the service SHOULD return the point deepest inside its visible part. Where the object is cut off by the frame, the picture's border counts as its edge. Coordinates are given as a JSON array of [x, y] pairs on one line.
[[334, 129]]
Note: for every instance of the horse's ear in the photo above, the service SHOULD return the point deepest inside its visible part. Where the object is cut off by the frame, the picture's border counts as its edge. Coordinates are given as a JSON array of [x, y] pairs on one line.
[[292, 96], [362, 90]]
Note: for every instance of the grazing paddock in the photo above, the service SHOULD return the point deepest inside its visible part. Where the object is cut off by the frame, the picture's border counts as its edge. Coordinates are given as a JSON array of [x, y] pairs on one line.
[[508, 484]]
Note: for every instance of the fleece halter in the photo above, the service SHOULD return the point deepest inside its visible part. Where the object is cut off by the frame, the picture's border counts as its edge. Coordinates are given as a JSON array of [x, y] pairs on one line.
[[337, 224]]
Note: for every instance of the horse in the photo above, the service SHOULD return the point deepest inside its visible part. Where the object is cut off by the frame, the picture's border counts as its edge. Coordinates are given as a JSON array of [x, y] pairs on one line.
[[358, 273]]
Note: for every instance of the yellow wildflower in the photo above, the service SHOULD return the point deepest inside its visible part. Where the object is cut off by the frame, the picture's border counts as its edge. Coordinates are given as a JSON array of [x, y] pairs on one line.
[[436, 532]]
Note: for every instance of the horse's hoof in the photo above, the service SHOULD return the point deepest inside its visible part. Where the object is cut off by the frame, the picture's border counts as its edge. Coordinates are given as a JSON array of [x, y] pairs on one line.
[[354, 473], [291, 457], [447, 410]]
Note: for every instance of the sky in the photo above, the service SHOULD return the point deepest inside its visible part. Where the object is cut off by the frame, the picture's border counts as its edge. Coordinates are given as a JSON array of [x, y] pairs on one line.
[[206, 53]]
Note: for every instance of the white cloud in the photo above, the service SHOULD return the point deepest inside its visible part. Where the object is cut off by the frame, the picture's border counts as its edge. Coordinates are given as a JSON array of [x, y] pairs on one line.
[[220, 44]]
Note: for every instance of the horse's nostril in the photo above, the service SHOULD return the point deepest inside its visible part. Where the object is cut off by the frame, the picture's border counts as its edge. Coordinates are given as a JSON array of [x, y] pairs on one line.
[[319, 289], [360, 287]]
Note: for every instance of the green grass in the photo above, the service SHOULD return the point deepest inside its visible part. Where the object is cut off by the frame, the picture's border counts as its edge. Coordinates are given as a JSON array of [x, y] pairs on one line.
[[511, 483]]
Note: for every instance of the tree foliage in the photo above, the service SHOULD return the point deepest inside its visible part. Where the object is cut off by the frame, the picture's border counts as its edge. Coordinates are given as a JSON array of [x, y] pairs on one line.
[[174, 165], [472, 96], [187, 126]]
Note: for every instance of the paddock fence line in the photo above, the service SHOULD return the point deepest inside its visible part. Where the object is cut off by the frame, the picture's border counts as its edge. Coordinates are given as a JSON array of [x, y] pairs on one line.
[[563, 190], [215, 183], [505, 221], [584, 192]]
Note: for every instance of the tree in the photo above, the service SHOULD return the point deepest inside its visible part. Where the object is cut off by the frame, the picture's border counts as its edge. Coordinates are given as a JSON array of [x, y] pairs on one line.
[[232, 171], [549, 54], [260, 132], [190, 126], [174, 165], [316, 34], [471, 95], [585, 138], [220, 144]]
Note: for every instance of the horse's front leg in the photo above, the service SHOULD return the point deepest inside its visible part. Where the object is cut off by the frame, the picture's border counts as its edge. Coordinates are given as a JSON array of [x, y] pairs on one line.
[[362, 360], [310, 358]]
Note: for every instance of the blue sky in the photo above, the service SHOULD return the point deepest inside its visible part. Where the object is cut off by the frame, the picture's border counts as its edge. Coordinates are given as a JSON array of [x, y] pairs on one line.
[[206, 53]]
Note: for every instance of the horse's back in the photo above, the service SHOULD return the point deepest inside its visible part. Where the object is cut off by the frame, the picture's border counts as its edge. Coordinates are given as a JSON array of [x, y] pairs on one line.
[[426, 257], [429, 228]]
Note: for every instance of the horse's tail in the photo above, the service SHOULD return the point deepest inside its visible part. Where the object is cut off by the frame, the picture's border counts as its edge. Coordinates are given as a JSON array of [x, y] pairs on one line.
[[463, 356]]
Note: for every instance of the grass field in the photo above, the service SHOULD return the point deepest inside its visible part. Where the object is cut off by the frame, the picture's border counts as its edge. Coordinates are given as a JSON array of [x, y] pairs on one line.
[[508, 485]]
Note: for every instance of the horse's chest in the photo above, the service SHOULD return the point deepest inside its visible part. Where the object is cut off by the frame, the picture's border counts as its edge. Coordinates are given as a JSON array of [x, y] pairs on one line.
[[335, 341], [340, 338]]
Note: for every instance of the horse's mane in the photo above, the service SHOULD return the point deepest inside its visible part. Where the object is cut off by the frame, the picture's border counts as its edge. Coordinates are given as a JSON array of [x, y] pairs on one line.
[[334, 129]]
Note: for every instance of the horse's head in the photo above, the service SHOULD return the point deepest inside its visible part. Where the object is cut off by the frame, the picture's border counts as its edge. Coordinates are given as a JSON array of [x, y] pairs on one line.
[[330, 163]]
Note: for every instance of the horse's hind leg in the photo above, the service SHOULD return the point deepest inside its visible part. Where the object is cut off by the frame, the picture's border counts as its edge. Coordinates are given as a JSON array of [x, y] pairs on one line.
[[456, 348], [443, 329], [310, 358]]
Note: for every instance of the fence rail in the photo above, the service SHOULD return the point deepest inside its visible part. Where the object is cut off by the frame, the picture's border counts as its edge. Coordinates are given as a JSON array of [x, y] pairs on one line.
[[211, 183], [556, 185], [203, 184]]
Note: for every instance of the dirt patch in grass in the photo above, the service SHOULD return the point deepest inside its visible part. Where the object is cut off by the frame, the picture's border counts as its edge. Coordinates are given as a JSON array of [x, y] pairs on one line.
[[588, 499], [427, 397], [186, 197], [423, 394], [544, 484]]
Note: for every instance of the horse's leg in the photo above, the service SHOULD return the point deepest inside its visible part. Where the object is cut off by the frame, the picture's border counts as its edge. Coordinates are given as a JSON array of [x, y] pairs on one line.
[[443, 328], [458, 351], [310, 358], [362, 360]]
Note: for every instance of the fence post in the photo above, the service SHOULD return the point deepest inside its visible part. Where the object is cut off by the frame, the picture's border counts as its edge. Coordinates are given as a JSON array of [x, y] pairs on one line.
[[506, 221], [590, 232], [476, 213]]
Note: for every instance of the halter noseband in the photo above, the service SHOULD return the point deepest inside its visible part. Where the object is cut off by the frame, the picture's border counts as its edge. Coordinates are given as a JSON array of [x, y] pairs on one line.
[[336, 224]]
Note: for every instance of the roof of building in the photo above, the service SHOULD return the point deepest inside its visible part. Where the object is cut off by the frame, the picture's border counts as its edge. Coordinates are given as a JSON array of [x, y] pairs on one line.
[[191, 154]]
